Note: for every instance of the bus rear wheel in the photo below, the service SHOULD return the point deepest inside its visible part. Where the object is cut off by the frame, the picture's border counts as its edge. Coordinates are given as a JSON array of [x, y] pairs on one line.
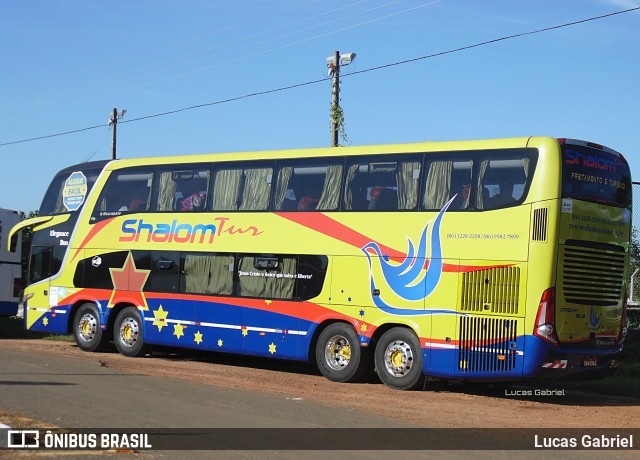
[[86, 328], [338, 354], [398, 359], [127, 333]]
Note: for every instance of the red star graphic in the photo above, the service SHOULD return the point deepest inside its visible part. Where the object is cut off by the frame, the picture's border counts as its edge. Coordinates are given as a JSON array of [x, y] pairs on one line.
[[127, 285]]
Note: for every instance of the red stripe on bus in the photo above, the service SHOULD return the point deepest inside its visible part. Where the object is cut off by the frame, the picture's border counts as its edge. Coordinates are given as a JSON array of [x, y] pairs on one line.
[[92, 233]]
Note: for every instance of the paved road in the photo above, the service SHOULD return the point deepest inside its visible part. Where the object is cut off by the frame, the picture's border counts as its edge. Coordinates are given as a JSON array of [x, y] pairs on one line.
[[75, 393]]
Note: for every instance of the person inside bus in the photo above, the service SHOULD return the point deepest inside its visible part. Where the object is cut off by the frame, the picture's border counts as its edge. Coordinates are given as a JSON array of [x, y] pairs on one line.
[[505, 195], [486, 198], [384, 199], [138, 200], [194, 202]]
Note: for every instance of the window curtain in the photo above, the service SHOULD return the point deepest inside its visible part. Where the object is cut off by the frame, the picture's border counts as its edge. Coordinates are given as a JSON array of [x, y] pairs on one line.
[[331, 189], [226, 189], [284, 175], [167, 192], [282, 288], [257, 188], [348, 194], [438, 185], [208, 274], [481, 195], [407, 184], [268, 287]]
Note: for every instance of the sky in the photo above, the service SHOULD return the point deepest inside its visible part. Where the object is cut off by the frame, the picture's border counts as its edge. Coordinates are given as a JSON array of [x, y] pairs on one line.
[[67, 63]]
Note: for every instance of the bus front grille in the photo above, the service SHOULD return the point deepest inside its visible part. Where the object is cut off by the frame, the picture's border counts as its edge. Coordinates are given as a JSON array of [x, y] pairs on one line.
[[487, 344], [495, 290], [592, 275]]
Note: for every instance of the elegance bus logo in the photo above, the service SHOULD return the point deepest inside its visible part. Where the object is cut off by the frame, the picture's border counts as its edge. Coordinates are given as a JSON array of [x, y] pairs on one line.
[[575, 158], [135, 229]]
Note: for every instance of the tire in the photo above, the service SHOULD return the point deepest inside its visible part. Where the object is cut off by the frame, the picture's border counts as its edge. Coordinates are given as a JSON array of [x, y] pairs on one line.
[[338, 354], [398, 359], [86, 328], [127, 333]]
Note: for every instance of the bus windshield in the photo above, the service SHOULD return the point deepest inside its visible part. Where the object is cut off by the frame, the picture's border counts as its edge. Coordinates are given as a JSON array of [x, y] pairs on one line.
[[69, 188], [592, 174]]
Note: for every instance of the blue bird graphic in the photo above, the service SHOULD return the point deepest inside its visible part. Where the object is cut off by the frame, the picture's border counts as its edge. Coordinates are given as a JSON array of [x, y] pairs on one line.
[[409, 280]]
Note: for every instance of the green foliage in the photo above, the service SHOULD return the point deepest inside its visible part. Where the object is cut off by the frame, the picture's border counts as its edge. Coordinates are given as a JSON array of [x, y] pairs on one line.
[[13, 328], [337, 117]]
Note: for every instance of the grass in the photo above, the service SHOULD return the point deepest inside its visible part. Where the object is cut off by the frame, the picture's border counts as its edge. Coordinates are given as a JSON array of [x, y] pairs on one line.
[[12, 327]]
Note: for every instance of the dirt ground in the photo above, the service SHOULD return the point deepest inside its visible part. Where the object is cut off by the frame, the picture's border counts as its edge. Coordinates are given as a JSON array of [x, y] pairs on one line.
[[441, 405]]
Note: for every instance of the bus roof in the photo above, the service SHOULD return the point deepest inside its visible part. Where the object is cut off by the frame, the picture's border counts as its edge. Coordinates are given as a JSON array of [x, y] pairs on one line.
[[331, 151]]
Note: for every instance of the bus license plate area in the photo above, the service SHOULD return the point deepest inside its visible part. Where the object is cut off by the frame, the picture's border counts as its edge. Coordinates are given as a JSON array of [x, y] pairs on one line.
[[590, 361]]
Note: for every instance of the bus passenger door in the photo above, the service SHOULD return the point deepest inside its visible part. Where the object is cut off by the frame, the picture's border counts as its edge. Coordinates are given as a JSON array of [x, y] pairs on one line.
[[168, 315], [37, 301]]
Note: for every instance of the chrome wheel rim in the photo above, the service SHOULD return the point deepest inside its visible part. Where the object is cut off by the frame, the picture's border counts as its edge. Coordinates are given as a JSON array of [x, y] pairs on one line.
[[398, 358], [87, 327], [337, 352], [129, 332]]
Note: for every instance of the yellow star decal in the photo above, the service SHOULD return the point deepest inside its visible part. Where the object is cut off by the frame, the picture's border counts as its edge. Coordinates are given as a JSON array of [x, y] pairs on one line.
[[268, 302], [45, 321], [220, 342], [245, 331], [160, 316], [197, 338], [177, 330], [363, 328], [272, 348]]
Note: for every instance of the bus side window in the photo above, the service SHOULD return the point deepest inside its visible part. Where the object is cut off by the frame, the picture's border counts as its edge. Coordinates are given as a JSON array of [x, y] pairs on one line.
[[308, 186], [382, 184], [183, 189], [503, 180], [244, 189], [256, 189], [226, 189], [127, 190], [207, 274], [448, 180], [267, 276], [310, 277]]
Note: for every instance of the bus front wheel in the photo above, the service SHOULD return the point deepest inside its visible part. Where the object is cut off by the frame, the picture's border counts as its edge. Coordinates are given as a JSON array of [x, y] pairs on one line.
[[127, 333], [398, 358], [86, 328], [338, 354]]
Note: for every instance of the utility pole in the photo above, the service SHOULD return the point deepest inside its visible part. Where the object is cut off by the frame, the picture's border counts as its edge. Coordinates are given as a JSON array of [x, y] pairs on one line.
[[334, 68], [337, 118], [113, 121]]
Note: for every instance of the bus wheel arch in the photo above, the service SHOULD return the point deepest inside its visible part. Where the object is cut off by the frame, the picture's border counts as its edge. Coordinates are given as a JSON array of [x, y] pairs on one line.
[[338, 354], [398, 359], [128, 332], [87, 328]]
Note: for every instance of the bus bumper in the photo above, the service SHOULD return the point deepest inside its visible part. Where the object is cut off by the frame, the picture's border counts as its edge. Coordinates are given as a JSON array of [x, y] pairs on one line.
[[547, 362]]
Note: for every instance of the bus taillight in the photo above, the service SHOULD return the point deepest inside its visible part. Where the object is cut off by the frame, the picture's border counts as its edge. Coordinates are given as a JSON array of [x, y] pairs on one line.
[[545, 326]]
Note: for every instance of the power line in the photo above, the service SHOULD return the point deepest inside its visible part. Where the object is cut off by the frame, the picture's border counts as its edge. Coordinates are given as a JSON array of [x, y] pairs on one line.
[[313, 82]]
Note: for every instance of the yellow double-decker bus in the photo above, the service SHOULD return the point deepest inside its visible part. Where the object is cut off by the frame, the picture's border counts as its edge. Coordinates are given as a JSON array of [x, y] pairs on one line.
[[493, 260]]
